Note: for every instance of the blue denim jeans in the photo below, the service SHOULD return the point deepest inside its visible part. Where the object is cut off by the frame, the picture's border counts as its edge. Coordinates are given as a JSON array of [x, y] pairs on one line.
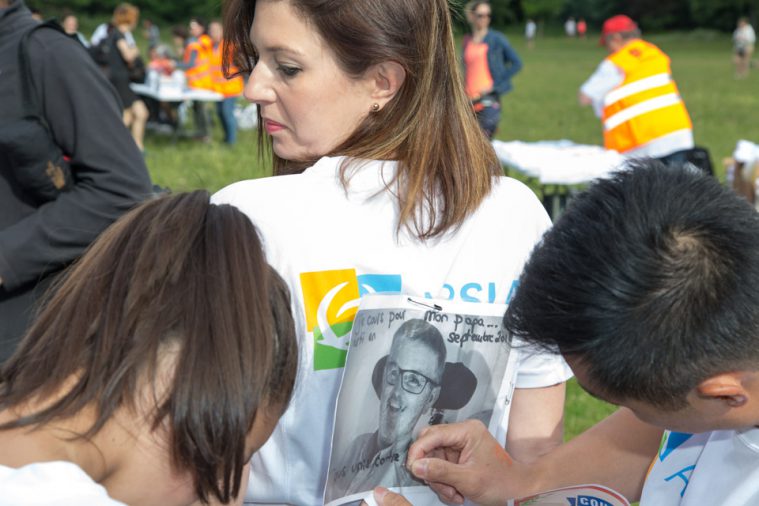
[[226, 111], [488, 118]]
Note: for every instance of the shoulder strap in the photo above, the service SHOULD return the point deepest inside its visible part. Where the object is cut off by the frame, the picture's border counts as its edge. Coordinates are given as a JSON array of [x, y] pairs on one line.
[[28, 96]]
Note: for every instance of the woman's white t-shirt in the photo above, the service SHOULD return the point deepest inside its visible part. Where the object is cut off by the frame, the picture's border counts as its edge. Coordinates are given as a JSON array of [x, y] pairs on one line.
[[332, 246], [51, 483]]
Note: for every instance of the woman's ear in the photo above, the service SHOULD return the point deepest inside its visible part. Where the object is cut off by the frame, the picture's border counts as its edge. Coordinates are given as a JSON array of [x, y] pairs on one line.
[[385, 79]]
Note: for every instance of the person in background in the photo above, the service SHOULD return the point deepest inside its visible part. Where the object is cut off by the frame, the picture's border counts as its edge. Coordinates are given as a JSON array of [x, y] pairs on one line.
[[196, 63], [124, 20], [70, 25], [489, 65], [649, 286], [385, 184], [634, 94], [160, 60], [179, 37], [530, 32], [161, 363], [151, 32], [744, 39], [83, 115], [582, 28], [570, 27], [36, 14], [231, 88]]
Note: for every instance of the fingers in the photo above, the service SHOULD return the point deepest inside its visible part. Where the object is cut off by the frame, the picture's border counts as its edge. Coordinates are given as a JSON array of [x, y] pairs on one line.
[[386, 498], [453, 436], [447, 494], [437, 471]]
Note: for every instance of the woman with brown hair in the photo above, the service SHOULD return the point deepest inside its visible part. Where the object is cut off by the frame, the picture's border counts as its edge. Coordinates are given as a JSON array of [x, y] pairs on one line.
[[489, 65], [159, 365], [385, 183], [121, 58]]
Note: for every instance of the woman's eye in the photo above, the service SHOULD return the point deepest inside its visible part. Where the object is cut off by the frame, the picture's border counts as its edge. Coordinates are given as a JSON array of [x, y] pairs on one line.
[[288, 71]]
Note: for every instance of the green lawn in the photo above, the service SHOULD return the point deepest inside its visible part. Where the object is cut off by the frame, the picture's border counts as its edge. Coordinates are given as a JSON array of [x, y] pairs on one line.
[[543, 106]]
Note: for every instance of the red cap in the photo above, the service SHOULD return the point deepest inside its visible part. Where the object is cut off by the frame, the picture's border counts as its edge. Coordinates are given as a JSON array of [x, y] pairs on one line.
[[617, 24]]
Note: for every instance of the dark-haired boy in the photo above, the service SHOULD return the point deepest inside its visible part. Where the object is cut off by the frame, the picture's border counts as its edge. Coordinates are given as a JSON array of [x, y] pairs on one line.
[[649, 287]]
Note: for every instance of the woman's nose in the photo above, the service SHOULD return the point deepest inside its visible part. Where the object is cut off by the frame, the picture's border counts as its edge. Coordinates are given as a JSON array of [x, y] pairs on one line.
[[258, 88]]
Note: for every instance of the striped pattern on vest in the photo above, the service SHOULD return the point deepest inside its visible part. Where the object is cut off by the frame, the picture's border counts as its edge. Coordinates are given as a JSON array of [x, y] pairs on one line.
[[646, 105]]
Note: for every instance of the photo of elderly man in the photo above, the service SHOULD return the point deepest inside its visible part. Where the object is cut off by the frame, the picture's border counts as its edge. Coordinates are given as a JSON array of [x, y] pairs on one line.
[[411, 377]]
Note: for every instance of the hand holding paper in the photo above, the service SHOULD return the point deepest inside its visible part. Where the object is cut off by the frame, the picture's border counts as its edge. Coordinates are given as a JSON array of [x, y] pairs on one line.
[[464, 460]]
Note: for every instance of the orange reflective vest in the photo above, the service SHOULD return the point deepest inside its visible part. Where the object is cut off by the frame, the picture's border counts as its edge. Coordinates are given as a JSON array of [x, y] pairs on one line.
[[199, 75], [646, 105], [228, 87]]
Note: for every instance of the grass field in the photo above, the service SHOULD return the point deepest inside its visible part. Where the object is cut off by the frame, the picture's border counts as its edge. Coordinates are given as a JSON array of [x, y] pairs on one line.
[[543, 106]]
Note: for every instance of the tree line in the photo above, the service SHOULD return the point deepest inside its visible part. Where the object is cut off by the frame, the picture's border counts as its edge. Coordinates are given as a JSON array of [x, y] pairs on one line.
[[652, 15]]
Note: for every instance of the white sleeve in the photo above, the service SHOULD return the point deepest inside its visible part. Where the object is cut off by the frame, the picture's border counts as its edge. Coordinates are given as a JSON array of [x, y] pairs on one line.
[[606, 77], [46, 483], [538, 368], [99, 34]]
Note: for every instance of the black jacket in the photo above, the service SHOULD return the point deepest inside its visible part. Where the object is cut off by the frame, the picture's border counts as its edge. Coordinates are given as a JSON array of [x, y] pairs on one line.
[[84, 116]]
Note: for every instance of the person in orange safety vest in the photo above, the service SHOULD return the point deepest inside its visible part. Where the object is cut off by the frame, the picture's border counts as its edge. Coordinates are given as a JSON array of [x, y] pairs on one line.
[[633, 93], [196, 63], [230, 88], [197, 56]]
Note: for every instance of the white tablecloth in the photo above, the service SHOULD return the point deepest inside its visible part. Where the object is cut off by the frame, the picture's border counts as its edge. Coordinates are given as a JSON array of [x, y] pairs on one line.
[[175, 94], [558, 162]]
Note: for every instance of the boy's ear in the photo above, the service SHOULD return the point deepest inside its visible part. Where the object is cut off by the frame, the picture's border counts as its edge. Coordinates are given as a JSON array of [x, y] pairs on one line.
[[728, 387], [385, 79]]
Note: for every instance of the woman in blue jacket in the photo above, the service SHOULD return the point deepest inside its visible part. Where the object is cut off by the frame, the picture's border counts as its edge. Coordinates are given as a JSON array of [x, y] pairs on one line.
[[489, 64]]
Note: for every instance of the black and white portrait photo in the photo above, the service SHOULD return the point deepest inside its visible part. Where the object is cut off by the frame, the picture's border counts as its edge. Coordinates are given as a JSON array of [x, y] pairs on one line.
[[410, 365]]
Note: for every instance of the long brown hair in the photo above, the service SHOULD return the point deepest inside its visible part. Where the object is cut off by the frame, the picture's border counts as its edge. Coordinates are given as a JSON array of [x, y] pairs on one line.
[[175, 271], [445, 163]]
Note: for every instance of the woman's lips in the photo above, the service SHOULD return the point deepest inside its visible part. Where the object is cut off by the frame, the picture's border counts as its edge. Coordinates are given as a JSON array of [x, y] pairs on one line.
[[272, 126]]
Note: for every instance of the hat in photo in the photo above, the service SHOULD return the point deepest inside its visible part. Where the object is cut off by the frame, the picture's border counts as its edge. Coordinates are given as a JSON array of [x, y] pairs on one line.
[[456, 387], [617, 24]]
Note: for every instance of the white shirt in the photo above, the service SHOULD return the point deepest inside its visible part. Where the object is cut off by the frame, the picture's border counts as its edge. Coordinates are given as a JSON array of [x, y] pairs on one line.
[[51, 483], [606, 77], [714, 468], [332, 246], [744, 36], [530, 29]]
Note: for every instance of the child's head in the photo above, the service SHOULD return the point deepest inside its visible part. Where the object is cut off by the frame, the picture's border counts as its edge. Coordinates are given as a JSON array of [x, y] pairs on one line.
[[649, 285], [176, 304]]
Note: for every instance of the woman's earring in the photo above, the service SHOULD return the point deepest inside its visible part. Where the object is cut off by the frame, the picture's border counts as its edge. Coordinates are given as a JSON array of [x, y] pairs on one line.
[[375, 107]]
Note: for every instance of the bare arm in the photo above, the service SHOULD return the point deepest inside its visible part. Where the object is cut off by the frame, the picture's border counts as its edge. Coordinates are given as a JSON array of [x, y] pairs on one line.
[[129, 53], [615, 452], [466, 461], [536, 422]]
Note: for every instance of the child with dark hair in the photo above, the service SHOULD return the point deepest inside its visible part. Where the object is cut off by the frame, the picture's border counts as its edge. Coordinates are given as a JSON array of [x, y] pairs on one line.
[[648, 286], [159, 365]]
